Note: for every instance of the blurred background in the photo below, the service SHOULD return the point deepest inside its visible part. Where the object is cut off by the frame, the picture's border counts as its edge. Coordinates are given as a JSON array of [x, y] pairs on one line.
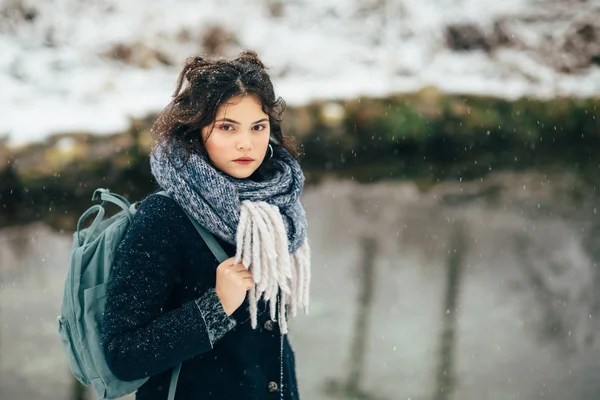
[[452, 156]]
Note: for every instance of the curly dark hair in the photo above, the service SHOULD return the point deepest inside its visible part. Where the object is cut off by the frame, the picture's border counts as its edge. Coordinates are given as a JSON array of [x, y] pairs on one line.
[[212, 83]]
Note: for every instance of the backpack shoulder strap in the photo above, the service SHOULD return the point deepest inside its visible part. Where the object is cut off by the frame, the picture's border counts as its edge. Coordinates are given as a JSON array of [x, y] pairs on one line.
[[173, 384]]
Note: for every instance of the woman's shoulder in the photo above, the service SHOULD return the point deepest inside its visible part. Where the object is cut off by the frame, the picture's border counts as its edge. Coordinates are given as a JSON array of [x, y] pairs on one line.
[[159, 210], [162, 215]]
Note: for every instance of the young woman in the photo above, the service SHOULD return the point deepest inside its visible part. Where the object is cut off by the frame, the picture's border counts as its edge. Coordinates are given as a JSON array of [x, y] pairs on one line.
[[222, 157]]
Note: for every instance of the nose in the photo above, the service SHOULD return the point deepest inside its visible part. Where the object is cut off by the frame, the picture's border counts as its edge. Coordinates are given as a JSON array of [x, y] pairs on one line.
[[245, 141]]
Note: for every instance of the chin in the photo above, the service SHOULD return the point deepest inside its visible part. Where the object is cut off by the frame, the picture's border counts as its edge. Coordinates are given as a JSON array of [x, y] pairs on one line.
[[240, 174]]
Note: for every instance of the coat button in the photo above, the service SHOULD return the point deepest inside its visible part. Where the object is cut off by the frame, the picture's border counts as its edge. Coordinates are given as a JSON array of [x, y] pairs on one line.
[[269, 325], [273, 387]]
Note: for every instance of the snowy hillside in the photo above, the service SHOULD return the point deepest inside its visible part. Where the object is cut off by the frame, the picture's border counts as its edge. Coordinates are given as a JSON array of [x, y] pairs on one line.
[[90, 64]]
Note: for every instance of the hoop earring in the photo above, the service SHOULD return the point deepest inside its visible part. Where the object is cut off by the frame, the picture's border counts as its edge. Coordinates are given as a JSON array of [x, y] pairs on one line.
[[271, 148]]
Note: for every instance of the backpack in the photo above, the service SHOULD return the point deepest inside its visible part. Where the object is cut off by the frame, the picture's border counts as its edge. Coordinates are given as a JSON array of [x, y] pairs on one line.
[[84, 296]]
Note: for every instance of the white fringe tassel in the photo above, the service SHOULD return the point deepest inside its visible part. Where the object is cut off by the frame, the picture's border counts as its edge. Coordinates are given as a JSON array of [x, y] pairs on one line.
[[262, 247]]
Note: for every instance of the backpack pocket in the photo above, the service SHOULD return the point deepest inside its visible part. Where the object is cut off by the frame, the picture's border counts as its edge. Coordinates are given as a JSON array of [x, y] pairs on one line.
[[66, 337], [105, 384], [94, 299]]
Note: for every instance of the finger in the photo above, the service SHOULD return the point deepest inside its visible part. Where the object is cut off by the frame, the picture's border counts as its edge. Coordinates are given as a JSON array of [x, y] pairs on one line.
[[244, 274], [242, 271], [248, 283], [227, 264], [238, 266]]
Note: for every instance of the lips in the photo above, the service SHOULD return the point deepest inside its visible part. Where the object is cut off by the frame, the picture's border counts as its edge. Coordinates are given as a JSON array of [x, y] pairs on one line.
[[243, 161]]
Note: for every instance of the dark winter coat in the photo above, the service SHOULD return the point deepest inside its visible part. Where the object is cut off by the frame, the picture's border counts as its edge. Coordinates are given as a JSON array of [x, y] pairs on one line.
[[162, 310]]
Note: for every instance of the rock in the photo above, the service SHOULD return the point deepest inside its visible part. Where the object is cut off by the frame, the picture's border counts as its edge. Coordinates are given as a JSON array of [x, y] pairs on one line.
[[466, 37], [217, 40], [139, 54], [581, 46]]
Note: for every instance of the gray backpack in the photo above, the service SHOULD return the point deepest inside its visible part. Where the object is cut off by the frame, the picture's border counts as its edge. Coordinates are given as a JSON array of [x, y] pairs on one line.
[[84, 297]]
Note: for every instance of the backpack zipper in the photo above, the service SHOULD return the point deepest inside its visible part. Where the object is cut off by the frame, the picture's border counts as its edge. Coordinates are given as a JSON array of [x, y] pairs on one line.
[[67, 329]]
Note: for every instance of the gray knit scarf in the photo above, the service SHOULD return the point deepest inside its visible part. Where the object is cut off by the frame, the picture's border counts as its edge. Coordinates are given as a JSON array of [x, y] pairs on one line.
[[264, 220]]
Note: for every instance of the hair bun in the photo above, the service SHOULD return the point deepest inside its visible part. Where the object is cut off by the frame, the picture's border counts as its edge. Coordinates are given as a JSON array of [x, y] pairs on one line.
[[193, 65], [250, 57], [197, 61]]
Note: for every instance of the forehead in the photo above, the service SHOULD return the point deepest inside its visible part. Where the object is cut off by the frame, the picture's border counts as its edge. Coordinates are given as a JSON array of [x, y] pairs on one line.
[[241, 105]]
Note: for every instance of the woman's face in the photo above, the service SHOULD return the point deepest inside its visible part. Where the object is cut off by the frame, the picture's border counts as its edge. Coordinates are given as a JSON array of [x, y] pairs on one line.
[[237, 141]]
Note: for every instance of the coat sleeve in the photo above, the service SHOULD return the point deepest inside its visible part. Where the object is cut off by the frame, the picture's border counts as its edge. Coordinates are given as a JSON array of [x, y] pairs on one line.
[[139, 338]]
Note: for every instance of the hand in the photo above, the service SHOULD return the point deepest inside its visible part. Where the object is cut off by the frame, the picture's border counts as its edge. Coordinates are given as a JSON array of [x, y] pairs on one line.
[[233, 281]]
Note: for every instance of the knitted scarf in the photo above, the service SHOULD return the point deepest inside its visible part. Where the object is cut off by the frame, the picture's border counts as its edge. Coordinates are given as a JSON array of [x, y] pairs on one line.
[[264, 220]]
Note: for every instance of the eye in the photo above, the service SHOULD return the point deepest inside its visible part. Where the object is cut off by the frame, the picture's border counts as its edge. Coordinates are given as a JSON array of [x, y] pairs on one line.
[[226, 127], [260, 127]]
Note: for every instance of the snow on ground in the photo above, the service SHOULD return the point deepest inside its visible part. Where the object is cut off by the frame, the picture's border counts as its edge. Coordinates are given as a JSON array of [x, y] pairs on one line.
[[55, 74]]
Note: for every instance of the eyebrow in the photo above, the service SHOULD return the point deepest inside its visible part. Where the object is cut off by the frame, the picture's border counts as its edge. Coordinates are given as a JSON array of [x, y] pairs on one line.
[[235, 122]]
